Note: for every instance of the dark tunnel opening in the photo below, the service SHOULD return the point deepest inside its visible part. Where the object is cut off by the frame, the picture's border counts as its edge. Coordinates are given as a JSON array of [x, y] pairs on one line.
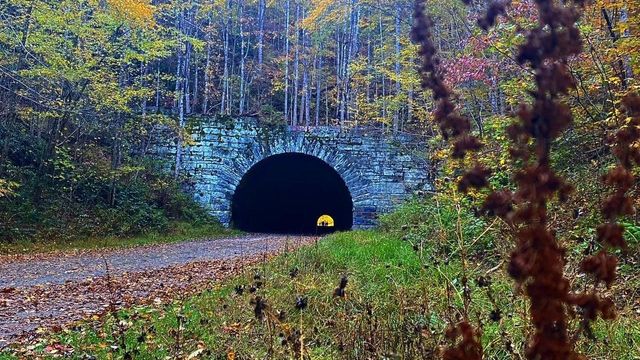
[[288, 193]]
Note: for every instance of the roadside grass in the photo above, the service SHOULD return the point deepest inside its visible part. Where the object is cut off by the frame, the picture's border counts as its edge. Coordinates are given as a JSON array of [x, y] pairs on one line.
[[396, 306], [178, 231]]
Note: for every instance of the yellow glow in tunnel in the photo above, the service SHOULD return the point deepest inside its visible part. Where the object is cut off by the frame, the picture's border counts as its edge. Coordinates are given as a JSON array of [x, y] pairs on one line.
[[326, 221]]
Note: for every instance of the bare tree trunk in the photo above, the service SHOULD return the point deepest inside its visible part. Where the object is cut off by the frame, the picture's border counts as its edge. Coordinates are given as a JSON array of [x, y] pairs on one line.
[[304, 98], [396, 116], [158, 89], [338, 87], [628, 69], [207, 71], [494, 94], [242, 58], [343, 75], [186, 78], [182, 82], [195, 98], [296, 65], [307, 94], [144, 70], [261, 10], [384, 90], [225, 102], [326, 102], [286, 51], [178, 73], [354, 33], [179, 95], [368, 67], [625, 71], [181, 123], [318, 74], [409, 108]]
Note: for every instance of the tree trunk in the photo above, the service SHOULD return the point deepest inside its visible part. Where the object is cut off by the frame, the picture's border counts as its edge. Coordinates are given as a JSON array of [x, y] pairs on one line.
[[396, 116], [224, 106], [307, 94], [261, 10], [185, 78], [344, 61], [179, 66], [318, 75], [144, 70], [296, 65], [354, 33], [304, 101], [242, 58], [181, 123], [207, 71], [384, 89], [368, 84], [180, 95], [624, 72], [158, 89], [286, 51], [338, 65]]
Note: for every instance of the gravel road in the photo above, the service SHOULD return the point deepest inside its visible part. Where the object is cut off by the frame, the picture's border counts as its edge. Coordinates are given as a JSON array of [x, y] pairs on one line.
[[49, 291]]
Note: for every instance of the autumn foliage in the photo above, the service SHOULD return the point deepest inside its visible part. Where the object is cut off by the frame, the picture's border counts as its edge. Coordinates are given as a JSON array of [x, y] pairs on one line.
[[538, 261], [139, 12]]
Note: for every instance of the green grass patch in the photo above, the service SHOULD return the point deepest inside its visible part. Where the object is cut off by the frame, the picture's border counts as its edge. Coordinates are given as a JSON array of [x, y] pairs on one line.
[[177, 232], [396, 306]]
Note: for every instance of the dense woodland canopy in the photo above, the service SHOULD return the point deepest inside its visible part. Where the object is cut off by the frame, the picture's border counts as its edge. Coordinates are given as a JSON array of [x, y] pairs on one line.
[[530, 109], [83, 85]]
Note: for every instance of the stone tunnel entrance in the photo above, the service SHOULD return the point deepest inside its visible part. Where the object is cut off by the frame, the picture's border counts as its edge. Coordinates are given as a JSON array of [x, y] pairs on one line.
[[288, 193]]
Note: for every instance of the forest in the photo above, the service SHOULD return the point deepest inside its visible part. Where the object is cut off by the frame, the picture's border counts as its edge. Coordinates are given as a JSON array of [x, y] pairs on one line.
[[81, 101], [85, 83], [526, 248]]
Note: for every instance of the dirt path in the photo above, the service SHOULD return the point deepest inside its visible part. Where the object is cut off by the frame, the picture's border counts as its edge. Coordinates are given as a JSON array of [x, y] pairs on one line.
[[53, 290]]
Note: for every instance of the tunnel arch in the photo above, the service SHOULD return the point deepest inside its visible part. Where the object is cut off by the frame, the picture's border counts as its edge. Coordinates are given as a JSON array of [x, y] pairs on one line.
[[288, 192]]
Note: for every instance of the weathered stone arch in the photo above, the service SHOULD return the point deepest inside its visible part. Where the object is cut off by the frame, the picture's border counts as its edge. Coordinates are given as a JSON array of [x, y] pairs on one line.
[[378, 170], [295, 143]]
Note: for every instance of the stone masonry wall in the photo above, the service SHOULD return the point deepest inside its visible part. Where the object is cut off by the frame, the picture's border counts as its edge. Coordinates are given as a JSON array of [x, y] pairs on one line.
[[378, 174]]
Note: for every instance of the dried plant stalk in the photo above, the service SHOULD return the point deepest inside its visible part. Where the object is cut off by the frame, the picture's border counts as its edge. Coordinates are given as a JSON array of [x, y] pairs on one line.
[[457, 128], [537, 263]]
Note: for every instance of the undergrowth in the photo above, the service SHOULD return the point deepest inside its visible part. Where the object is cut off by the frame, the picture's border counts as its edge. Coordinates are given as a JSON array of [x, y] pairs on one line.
[[356, 295]]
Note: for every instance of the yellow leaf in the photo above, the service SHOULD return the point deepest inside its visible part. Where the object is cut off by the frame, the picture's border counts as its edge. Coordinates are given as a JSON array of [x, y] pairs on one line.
[[139, 12]]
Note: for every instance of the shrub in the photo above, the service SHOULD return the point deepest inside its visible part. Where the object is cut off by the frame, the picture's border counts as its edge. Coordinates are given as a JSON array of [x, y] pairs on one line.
[[86, 198], [439, 226]]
